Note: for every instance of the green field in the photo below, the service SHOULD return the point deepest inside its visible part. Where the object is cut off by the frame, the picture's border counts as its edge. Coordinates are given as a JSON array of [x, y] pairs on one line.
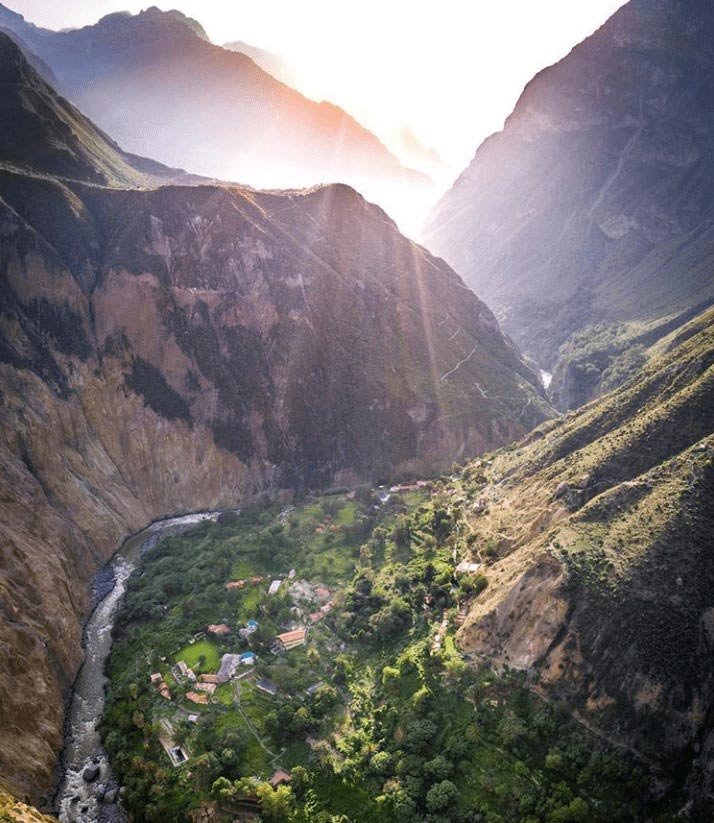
[[201, 656]]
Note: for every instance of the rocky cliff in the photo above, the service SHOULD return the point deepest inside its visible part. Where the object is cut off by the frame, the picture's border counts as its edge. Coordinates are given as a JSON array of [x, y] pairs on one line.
[[594, 204], [184, 348], [596, 534]]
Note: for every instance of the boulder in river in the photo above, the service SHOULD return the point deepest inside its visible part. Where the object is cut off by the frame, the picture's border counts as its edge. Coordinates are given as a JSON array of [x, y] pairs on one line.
[[91, 773]]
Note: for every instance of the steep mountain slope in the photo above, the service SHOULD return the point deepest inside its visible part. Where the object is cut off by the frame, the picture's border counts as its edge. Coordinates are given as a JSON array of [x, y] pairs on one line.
[[158, 86], [596, 532], [594, 204], [185, 348], [44, 133]]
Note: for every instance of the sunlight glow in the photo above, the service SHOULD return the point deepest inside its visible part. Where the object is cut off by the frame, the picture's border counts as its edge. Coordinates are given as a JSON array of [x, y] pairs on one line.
[[449, 72]]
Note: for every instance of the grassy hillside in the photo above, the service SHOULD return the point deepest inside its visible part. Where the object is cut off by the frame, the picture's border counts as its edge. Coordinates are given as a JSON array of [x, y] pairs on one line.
[[596, 535]]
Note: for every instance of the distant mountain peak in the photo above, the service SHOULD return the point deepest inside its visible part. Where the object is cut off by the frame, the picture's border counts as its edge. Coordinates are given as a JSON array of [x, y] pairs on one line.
[[156, 83], [168, 20]]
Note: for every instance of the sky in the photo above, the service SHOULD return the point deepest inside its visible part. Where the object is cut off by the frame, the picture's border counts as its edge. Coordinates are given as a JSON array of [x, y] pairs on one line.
[[448, 70]]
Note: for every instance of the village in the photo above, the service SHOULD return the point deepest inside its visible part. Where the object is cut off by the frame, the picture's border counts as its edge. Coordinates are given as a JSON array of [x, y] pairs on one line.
[[310, 604], [271, 620]]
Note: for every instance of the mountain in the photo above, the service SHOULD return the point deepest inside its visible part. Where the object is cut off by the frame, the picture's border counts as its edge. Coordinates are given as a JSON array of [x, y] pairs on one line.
[[594, 205], [417, 155], [191, 347], [160, 88], [596, 535]]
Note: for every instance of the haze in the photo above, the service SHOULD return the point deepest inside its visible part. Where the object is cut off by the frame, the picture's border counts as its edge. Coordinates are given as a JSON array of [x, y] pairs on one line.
[[450, 72]]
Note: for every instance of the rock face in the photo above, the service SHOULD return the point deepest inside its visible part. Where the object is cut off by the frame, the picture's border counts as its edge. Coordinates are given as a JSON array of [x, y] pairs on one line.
[[185, 348], [158, 85], [602, 582], [595, 203], [13, 811]]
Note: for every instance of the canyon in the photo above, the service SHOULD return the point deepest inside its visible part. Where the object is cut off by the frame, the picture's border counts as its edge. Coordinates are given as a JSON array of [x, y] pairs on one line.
[[186, 348]]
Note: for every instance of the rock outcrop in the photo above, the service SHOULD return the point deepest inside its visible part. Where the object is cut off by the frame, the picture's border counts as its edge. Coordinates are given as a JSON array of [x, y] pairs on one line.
[[594, 204], [188, 347]]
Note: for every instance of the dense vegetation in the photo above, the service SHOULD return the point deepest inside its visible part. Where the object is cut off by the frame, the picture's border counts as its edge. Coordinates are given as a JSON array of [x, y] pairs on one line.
[[397, 727]]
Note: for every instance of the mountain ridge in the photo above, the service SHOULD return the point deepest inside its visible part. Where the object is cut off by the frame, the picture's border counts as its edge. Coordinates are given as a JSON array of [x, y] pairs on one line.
[[594, 533]]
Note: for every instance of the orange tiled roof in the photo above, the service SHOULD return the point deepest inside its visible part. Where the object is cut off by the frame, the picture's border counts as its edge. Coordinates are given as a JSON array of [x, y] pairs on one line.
[[292, 637]]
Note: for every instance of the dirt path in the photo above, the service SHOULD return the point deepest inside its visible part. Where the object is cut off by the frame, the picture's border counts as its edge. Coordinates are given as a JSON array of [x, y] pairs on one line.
[[274, 758]]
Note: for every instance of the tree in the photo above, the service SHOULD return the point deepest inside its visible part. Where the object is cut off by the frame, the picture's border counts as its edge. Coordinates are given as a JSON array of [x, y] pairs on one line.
[[381, 763], [577, 811], [402, 534], [275, 803], [299, 780], [223, 789], [420, 733], [441, 795], [439, 768]]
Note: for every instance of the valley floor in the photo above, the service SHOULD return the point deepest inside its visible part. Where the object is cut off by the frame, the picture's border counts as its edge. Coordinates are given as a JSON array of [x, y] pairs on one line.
[[373, 715]]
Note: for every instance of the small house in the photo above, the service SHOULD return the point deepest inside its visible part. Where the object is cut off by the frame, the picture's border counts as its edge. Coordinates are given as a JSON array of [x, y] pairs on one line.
[[248, 658], [207, 688], [467, 567], [274, 587], [208, 678], [279, 777], [182, 672], [177, 755], [266, 686], [196, 697], [219, 629], [156, 678], [235, 584], [257, 579], [290, 640]]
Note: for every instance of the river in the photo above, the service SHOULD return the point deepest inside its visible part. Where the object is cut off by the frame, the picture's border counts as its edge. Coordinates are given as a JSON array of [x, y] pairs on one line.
[[78, 799]]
